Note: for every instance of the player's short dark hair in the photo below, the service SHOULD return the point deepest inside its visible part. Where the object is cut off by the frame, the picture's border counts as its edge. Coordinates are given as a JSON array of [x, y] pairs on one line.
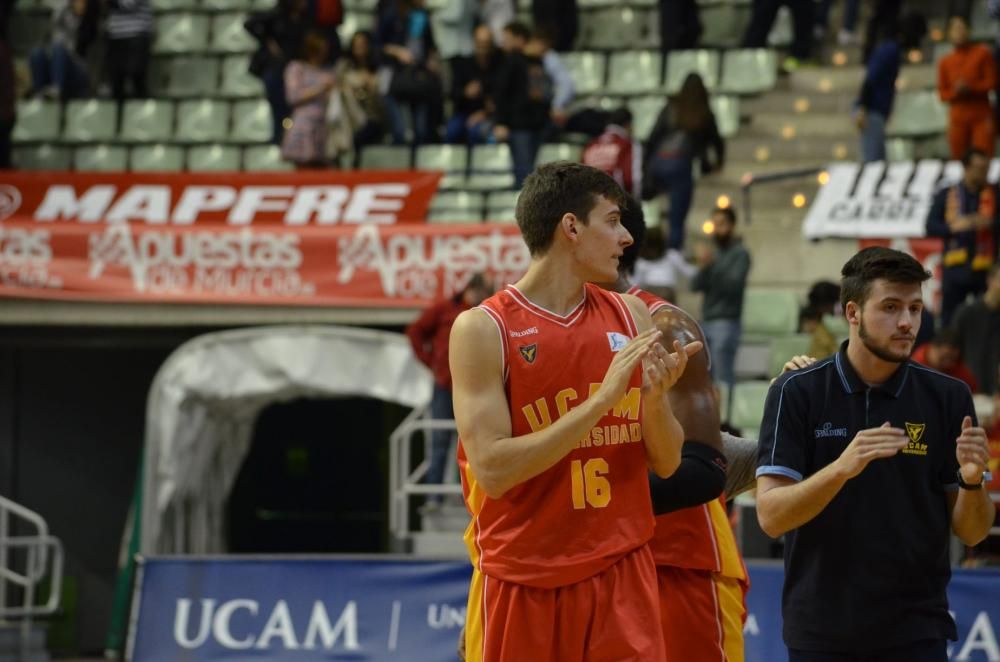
[[972, 153], [555, 189], [620, 116], [947, 337], [518, 29], [874, 263], [727, 212], [633, 220]]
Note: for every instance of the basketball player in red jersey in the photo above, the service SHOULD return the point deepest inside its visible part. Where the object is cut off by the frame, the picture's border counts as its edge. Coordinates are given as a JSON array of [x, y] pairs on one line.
[[560, 402]]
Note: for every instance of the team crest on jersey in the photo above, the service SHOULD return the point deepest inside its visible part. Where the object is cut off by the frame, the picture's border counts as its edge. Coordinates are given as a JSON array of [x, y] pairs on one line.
[[529, 352], [915, 431], [617, 340]]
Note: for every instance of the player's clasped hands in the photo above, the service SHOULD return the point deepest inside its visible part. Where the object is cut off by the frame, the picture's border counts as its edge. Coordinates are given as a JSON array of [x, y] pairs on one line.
[[871, 444], [661, 369]]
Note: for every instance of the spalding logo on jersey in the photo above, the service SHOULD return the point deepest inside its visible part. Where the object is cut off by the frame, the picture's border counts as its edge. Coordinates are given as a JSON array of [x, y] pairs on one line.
[[528, 352], [617, 340]]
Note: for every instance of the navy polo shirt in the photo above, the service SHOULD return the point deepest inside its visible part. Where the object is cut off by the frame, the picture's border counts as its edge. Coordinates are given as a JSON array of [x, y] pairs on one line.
[[870, 571]]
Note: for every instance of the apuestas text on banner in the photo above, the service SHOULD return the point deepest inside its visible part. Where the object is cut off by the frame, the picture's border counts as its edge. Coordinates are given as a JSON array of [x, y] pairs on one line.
[[368, 265], [880, 200], [384, 610], [235, 199]]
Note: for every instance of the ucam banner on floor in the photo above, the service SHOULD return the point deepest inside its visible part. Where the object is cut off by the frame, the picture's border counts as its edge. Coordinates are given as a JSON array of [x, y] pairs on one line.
[[404, 609], [880, 200]]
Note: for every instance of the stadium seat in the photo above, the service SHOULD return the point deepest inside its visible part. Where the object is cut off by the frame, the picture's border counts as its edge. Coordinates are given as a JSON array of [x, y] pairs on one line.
[[634, 72], [161, 6], [900, 149], [748, 406], [147, 121], [354, 21], [587, 69], [201, 121], [491, 168], [42, 156], [237, 81], [727, 114], [193, 76], [90, 120], [918, 114], [213, 158], [264, 158], [451, 159], [227, 5], [229, 35], [749, 71], [784, 348], [612, 28], [501, 206], [156, 158], [770, 312], [645, 110], [467, 201], [652, 212], [385, 157], [360, 5], [702, 62], [558, 152], [452, 216], [37, 120], [181, 33], [100, 158], [782, 32], [251, 122], [724, 24]]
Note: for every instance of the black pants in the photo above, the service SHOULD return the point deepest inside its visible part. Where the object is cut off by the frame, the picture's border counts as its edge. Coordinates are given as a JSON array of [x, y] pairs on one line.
[[955, 289], [932, 650], [6, 128], [128, 60], [762, 20], [680, 25]]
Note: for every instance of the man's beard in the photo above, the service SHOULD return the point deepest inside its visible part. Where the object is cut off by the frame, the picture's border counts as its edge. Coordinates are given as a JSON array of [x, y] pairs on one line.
[[881, 352]]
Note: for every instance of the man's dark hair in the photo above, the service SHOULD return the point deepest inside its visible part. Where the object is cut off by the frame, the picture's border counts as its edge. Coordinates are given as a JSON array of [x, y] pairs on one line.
[[518, 29], [947, 337], [727, 212], [972, 153], [559, 188], [874, 263], [633, 220], [620, 116]]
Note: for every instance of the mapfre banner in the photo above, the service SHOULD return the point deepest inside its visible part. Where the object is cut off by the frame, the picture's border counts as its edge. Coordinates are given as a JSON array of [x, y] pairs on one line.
[[338, 239], [880, 200]]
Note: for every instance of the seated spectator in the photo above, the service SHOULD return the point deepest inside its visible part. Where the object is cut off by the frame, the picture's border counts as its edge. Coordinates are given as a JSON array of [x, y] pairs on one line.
[[563, 87], [130, 40], [617, 153], [308, 84], [823, 343], [357, 79], [977, 324], [59, 68], [944, 354], [473, 80], [659, 269]]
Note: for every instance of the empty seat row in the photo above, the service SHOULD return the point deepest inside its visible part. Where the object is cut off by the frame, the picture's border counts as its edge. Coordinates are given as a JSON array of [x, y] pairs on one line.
[[193, 33], [149, 158], [205, 76]]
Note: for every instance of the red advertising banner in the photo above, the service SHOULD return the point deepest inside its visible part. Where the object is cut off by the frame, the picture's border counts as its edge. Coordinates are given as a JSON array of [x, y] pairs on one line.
[[927, 251]]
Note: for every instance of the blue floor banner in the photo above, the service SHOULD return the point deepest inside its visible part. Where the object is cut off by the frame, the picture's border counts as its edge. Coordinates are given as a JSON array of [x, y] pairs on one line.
[[391, 609]]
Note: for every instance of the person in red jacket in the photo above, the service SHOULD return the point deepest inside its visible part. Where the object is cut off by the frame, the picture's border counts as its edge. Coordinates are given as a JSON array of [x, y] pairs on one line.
[[965, 78], [617, 153], [429, 335], [944, 354]]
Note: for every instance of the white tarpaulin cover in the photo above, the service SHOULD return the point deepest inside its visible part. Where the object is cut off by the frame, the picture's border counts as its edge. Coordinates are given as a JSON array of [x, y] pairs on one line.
[[205, 400]]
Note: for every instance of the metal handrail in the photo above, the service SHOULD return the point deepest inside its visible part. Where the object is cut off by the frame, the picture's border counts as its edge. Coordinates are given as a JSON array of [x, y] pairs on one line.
[[749, 180]]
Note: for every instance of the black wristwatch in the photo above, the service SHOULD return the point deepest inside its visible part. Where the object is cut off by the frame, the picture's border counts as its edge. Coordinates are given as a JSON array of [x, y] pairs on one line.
[[985, 476]]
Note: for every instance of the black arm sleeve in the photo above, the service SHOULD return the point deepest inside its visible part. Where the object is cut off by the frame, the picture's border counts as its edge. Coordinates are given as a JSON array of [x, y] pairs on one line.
[[700, 478]]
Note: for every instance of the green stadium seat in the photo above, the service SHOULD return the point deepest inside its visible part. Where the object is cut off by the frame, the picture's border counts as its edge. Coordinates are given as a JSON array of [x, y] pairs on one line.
[[265, 158], [43, 156], [451, 159], [261, 5], [228, 5], [147, 120], [452, 216], [162, 6], [37, 120], [237, 81], [748, 406], [501, 206], [727, 114], [587, 69], [838, 326], [193, 76], [612, 28], [652, 212], [782, 32], [251, 122], [360, 5], [354, 21], [157, 158], [645, 110], [723, 24], [181, 33], [385, 157], [491, 168], [768, 313], [784, 348], [213, 158], [467, 201], [634, 72], [702, 62], [201, 121], [100, 158], [918, 114], [749, 71], [90, 120], [558, 152], [229, 35], [900, 149]]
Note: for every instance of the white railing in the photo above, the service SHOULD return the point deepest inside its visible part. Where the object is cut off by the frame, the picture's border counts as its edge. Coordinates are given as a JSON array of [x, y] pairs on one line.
[[41, 551]]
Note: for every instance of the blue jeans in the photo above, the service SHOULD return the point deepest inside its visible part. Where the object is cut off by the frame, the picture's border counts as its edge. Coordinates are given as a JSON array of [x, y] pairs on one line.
[[723, 337], [457, 132], [873, 138], [274, 90], [441, 408], [673, 176], [55, 65], [524, 146], [419, 113]]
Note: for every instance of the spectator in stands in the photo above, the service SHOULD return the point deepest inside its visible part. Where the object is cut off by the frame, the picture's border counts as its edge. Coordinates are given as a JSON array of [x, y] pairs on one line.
[[408, 46], [308, 83], [684, 131], [8, 101], [680, 24], [977, 324], [848, 28], [326, 17], [823, 305], [357, 78], [944, 354], [966, 216], [617, 153], [557, 18], [722, 278], [884, 12], [472, 83], [59, 68], [497, 14], [966, 76], [429, 335], [523, 100], [280, 33], [660, 269], [563, 87], [130, 39], [456, 24], [762, 18]]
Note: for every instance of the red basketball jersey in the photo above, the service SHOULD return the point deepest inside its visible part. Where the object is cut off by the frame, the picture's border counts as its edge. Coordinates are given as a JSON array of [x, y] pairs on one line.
[[700, 537], [592, 507]]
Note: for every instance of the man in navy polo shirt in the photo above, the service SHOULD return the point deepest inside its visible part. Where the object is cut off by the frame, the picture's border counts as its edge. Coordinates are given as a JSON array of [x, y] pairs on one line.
[[867, 461]]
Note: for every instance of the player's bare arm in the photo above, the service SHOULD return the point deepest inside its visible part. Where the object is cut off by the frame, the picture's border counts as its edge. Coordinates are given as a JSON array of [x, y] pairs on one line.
[[972, 511], [482, 413]]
